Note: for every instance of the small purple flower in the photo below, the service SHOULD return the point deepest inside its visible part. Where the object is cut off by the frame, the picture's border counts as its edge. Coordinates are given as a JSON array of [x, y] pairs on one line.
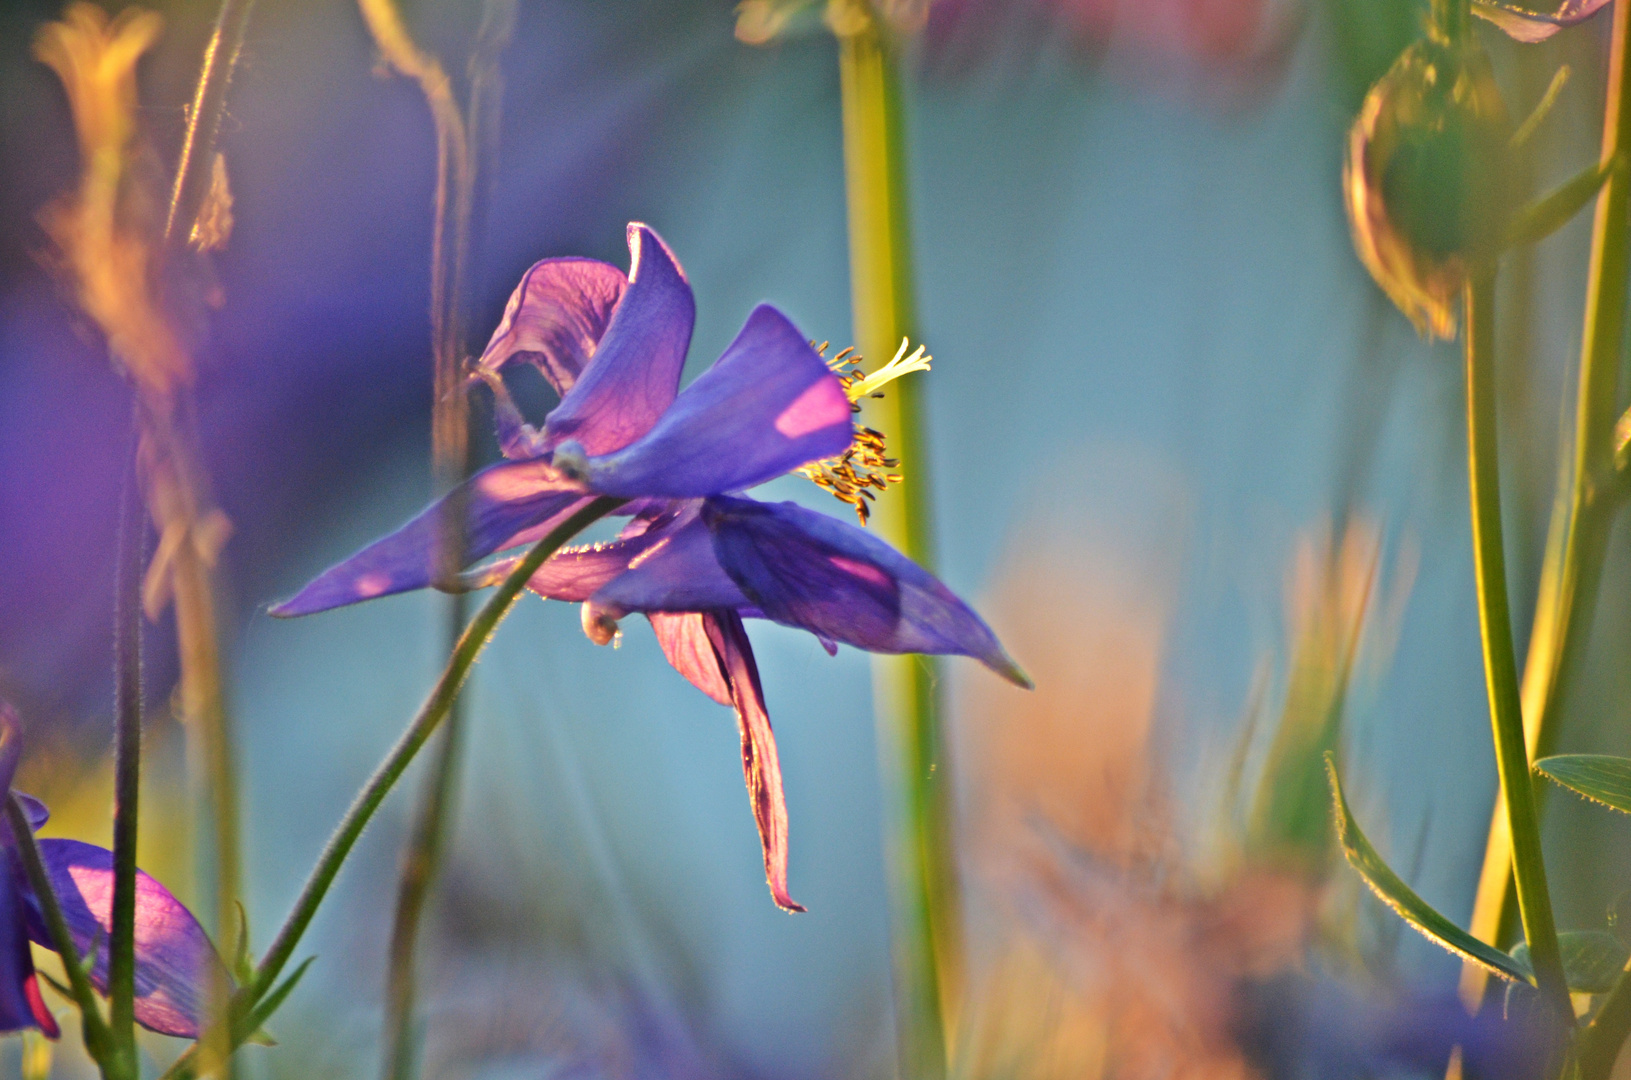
[[173, 954], [696, 558], [1528, 25]]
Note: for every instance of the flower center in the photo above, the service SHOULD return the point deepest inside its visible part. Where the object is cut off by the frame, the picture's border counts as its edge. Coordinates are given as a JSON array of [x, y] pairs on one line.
[[865, 466]]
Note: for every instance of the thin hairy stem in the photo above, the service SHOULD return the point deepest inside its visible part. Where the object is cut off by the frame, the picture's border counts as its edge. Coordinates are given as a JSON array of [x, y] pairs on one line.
[[1500, 662], [204, 120], [924, 881], [127, 749]]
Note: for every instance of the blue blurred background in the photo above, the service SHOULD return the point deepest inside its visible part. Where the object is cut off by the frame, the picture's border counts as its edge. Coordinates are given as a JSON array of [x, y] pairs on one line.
[[1160, 373]]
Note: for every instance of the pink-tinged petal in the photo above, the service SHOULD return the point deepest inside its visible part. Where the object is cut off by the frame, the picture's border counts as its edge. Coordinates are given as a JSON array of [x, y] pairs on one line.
[[679, 572], [805, 569], [760, 766], [767, 406], [555, 319], [174, 958], [636, 368], [504, 506], [1529, 26], [685, 642]]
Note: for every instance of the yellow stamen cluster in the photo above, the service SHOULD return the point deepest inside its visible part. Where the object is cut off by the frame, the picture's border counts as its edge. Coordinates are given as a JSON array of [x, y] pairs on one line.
[[865, 467]]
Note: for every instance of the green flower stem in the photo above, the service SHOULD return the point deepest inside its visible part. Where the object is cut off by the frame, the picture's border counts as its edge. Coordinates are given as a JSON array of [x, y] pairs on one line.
[[127, 710], [923, 886], [98, 1039], [1599, 1045], [204, 120], [1500, 663], [1578, 537], [430, 715]]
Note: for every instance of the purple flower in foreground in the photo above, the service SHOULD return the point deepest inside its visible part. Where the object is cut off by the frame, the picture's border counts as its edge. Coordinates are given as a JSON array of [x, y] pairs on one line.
[[1527, 25], [172, 950], [696, 558]]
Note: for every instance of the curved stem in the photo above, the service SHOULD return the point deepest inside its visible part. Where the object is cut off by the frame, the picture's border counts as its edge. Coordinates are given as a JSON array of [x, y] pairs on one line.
[[1582, 515], [430, 715], [1500, 662]]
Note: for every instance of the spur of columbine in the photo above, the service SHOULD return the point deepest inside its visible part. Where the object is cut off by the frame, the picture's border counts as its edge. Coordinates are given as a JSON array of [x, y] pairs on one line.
[[173, 955], [696, 557]]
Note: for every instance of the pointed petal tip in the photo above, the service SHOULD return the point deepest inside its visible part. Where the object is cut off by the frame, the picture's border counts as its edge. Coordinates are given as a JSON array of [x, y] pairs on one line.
[[787, 903], [1008, 669]]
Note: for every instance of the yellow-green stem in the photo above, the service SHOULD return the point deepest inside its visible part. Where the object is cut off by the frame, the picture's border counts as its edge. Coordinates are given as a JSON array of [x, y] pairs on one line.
[[923, 882], [1500, 662], [1578, 536]]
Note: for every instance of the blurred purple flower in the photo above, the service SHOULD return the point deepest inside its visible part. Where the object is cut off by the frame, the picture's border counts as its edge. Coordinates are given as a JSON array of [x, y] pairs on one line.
[[1528, 25], [172, 950], [695, 558]]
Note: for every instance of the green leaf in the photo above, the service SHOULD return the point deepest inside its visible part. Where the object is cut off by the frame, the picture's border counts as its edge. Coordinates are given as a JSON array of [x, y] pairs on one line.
[[1393, 892], [1557, 207], [1592, 959], [1598, 777], [268, 1005], [243, 965]]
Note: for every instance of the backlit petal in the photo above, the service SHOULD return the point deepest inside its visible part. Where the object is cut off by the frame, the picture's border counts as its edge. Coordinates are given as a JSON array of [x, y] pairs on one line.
[[684, 640], [16, 963], [806, 569], [504, 506], [678, 573], [174, 958], [555, 318], [636, 367], [760, 766], [767, 406]]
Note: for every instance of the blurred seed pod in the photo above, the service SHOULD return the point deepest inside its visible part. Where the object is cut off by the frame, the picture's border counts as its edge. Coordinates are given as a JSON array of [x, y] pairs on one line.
[[1425, 178]]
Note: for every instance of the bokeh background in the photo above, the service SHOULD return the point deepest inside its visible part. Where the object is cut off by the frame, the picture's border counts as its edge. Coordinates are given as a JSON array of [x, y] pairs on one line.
[[1183, 454]]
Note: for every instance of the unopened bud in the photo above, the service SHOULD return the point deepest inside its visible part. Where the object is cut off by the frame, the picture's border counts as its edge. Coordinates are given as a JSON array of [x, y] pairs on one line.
[[1425, 178]]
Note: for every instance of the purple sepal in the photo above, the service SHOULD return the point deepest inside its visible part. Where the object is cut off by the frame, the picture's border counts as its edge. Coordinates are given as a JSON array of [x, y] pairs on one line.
[[684, 640], [677, 572], [760, 765], [805, 569], [636, 366], [1528, 26], [504, 506], [555, 319], [768, 405], [34, 810], [17, 1009], [174, 957]]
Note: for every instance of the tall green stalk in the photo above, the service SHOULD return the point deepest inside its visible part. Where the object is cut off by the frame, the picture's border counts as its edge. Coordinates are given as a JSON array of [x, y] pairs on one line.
[[127, 772], [923, 882], [1577, 540], [1500, 662]]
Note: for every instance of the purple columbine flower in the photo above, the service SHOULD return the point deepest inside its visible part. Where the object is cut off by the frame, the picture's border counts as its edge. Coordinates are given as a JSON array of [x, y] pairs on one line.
[[1528, 25], [696, 557], [173, 954]]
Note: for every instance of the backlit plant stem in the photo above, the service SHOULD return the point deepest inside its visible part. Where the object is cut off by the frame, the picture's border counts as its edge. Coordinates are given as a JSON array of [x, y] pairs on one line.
[[1500, 662], [1578, 536], [923, 886], [459, 141], [204, 119]]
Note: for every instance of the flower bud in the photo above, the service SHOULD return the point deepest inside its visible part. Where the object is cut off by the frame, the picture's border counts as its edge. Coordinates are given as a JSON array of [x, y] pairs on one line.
[[1425, 178]]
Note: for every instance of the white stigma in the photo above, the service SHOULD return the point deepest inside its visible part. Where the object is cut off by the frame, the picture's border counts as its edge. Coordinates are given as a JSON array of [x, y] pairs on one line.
[[902, 364]]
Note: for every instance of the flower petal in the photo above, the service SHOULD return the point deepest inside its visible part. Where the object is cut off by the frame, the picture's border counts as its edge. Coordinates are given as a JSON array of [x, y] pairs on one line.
[[555, 318], [760, 765], [504, 506], [636, 367], [16, 963], [1529, 26], [173, 954], [768, 405], [685, 642], [34, 810], [678, 573], [806, 569]]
